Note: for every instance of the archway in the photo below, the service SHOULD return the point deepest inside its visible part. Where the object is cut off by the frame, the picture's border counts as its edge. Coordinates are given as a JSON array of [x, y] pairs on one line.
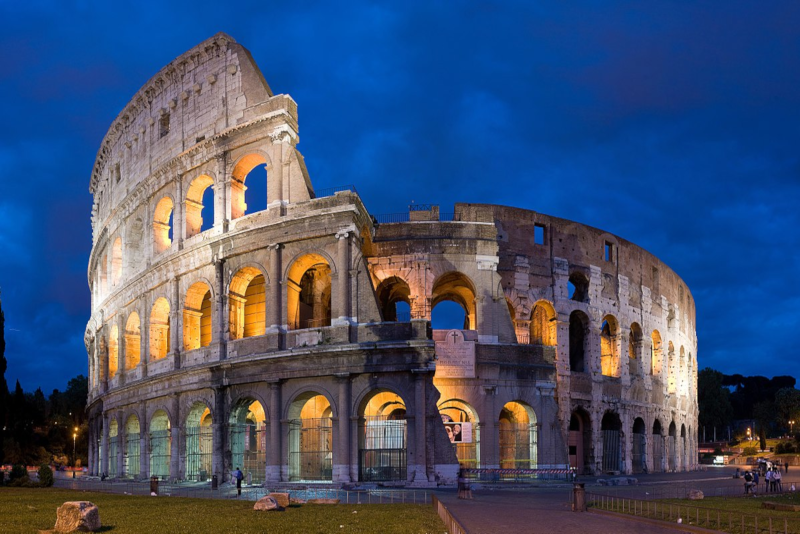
[[199, 443], [159, 329], [580, 441], [116, 262], [517, 429], [247, 169], [382, 438], [461, 422], [656, 353], [160, 445], [578, 287], [113, 447], [248, 440], [309, 292], [133, 341], [162, 225], [611, 426], [394, 299], [310, 439], [639, 453], [672, 453], [684, 448], [197, 201], [543, 324], [456, 287], [578, 324], [671, 370], [609, 354], [132, 447], [197, 317], [635, 340], [658, 447], [113, 352], [247, 304]]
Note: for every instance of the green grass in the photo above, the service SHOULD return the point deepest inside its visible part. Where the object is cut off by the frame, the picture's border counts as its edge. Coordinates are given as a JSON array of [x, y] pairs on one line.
[[26, 510]]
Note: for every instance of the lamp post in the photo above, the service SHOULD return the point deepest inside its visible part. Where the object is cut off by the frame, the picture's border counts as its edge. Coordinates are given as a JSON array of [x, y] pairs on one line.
[[791, 427], [74, 458]]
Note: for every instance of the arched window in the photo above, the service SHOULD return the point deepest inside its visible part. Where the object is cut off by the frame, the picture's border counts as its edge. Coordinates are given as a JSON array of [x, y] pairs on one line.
[[247, 170], [198, 203], [656, 355], [133, 341], [578, 324], [578, 287], [461, 424], [309, 293], [197, 317], [392, 293], [658, 447], [162, 225], [609, 354], [612, 449], [635, 350], [116, 261], [247, 304], [671, 369], [458, 288], [113, 352], [639, 456], [543, 324], [159, 329]]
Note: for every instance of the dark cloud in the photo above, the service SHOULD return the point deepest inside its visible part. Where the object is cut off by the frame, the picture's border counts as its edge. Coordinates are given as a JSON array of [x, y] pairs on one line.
[[674, 125]]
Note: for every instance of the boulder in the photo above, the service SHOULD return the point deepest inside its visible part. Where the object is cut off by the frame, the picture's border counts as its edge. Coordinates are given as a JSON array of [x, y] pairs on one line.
[[281, 498], [77, 516], [695, 495], [267, 504], [322, 501]]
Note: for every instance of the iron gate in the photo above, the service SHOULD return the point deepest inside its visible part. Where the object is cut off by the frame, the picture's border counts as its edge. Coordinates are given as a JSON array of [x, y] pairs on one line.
[[132, 451], [639, 455], [658, 453], [199, 448], [518, 446], [160, 449], [310, 451], [382, 454], [249, 451], [113, 449], [611, 451]]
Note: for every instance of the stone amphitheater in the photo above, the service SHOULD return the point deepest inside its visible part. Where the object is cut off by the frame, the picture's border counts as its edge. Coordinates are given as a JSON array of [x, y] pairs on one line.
[[290, 333]]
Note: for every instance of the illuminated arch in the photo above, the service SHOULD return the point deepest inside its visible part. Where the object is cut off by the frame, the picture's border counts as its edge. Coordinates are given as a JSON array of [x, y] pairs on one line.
[[194, 204], [390, 292], [309, 292], [160, 444], [543, 324], [635, 346], [609, 354], [162, 224], [454, 413], [113, 351], [133, 341], [518, 436], [248, 440], [456, 287], [382, 437], [247, 301], [310, 438], [240, 171], [197, 317], [159, 329], [199, 442]]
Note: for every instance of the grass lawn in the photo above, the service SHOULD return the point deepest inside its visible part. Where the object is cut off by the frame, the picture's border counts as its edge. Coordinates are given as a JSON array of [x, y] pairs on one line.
[[26, 510]]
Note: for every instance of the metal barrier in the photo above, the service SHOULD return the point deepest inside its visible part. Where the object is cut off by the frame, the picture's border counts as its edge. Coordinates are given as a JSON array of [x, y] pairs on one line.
[[689, 514], [517, 475], [450, 522]]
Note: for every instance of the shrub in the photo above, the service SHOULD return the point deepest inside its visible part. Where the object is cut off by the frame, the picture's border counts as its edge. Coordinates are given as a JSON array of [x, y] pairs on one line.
[[18, 471], [749, 451], [45, 476]]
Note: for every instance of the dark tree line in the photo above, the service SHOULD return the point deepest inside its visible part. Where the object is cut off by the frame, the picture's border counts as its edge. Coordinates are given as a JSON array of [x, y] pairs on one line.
[[36, 429]]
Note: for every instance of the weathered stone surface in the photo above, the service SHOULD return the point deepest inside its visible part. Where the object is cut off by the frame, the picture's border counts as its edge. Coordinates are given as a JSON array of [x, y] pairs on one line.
[[695, 495], [322, 501], [294, 500], [77, 516], [267, 504], [281, 498]]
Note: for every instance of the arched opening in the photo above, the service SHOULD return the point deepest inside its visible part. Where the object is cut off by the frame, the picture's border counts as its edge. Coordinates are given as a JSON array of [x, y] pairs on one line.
[[113, 447], [199, 199], [133, 341], [394, 299], [658, 447], [116, 261], [461, 423], [454, 287], [611, 426], [248, 440], [671, 369], [517, 429], [543, 324], [448, 315], [162, 225], [656, 355], [578, 325], [309, 293], [247, 301], [684, 448], [382, 437], [672, 453], [113, 352], [638, 455], [132, 450], [310, 439], [104, 276], [683, 386], [159, 329], [609, 354], [635, 342], [580, 441], [197, 317], [252, 197], [578, 287], [199, 443], [133, 245], [160, 445]]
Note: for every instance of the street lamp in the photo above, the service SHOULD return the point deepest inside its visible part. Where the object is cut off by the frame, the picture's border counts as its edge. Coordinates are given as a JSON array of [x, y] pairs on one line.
[[748, 433], [74, 458], [791, 427]]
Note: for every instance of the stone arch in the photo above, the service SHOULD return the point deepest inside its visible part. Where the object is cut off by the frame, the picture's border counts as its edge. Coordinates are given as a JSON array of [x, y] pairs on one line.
[[672, 447], [311, 444], [163, 224], [517, 429], [658, 446], [390, 292], [160, 429], [116, 262], [656, 354], [611, 429], [247, 302], [382, 437], [671, 369], [133, 341], [682, 385], [113, 351], [248, 439], [578, 287], [456, 287], [635, 350], [113, 447], [580, 440], [131, 464], [198, 316], [308, 290], [543, 324], [609, 352], [159, 329], [194, 205], [465, 438], [199, 442], [241, 168], [639, 448], [134, 238], [578, 341]]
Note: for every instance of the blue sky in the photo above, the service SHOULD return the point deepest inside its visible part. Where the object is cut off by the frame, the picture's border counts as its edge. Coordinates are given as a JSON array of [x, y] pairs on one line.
[[675, 125]]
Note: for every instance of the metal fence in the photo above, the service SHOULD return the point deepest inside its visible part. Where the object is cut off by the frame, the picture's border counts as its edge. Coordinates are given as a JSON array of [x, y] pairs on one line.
[[330, 191], [517, 476]]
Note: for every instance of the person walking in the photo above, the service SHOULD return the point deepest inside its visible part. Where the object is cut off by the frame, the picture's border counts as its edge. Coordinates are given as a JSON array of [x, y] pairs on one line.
[[755, 482], [786, 467], [238, 476], [748, 482]]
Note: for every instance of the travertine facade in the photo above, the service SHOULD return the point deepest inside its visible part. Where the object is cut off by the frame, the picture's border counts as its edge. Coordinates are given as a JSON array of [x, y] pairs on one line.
[[296, 341]]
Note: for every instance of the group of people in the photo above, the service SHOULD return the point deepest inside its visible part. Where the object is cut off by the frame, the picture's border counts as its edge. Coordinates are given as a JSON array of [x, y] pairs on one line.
[[772, 477]]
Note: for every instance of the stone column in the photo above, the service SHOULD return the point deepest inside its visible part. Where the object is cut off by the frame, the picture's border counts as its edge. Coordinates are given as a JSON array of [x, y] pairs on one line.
[[218, 428], [121, 342], [144, 442], [121, 443], [274, 320], [144, 334], [418, 465], [218, 324], [274, 456], [175, 323], [490, 439], [342, 460], [178, 216], [341, 303], [221, 186], [92, 445], [175, 440]]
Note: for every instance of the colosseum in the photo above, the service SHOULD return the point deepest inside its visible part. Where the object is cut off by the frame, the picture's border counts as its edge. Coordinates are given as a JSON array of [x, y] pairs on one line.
[[289, 332]]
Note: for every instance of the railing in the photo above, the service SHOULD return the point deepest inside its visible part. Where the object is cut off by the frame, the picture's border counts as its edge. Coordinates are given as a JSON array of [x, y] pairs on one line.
[[389, 218], [450, 522], [421, 207], [689, 514], [516, 475], [330, 191]]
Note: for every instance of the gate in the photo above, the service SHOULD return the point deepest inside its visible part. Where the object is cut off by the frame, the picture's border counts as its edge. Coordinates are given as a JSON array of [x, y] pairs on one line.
[[518, 446], [113, 449], [310, 451], [160, 453], [249, 451], [639, 457], [199, 445], [671, 452], [382, 454], [658, 453], [132, 455], [611, 451]]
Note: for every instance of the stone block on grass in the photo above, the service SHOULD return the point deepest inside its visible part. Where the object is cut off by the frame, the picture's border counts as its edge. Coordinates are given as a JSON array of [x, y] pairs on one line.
[[77, 516]]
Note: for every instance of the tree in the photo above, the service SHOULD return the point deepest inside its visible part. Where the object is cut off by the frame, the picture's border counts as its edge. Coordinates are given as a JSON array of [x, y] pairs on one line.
[[764, 414], [713, 399], [787, 402]]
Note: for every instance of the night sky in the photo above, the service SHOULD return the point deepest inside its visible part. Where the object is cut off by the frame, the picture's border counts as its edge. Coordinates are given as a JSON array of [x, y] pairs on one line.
[[675, 125]]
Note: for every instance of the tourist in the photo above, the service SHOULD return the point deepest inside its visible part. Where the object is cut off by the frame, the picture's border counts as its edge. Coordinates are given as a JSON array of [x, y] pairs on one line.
[[786, 466], [768, 481], [755, 482], [748, 482], [776, 479], [238, 476]]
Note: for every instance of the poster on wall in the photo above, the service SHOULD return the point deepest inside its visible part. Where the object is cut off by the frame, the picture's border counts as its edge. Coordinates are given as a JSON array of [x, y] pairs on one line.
[[458, 432]]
